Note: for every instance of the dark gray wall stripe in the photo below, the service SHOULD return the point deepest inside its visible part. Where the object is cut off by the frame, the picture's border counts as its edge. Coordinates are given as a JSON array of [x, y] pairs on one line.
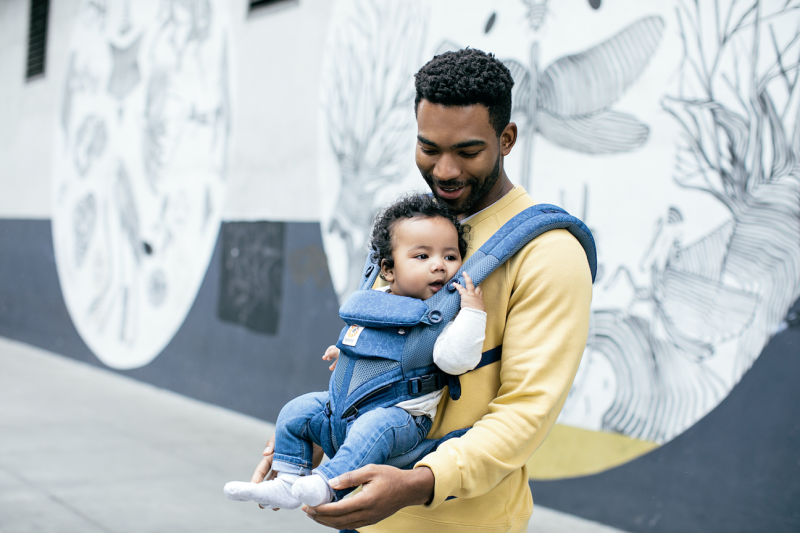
[[738, 469], [208, 359]]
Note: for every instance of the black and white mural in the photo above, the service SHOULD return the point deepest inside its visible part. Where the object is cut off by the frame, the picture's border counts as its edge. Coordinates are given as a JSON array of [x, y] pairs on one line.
[[671, 128], [367, 140], [139, 171]]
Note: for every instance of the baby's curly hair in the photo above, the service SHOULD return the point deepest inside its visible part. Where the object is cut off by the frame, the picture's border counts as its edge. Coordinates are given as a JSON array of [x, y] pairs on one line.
[[467, 77], [423, 205]]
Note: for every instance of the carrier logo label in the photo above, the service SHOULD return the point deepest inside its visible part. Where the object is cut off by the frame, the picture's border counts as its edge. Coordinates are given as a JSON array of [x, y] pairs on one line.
[[351, 337]]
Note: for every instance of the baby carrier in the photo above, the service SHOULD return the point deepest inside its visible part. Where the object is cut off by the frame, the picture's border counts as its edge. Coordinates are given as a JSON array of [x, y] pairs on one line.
[[387, 345]]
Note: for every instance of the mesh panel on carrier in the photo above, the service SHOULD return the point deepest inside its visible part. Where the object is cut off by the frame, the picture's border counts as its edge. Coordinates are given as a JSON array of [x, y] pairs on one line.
[[366, 369], [341, 370]]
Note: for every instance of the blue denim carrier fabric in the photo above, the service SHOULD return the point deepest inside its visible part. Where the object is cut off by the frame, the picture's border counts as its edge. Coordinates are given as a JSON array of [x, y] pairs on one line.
[[378, 309], [384, 343], [375, 437]]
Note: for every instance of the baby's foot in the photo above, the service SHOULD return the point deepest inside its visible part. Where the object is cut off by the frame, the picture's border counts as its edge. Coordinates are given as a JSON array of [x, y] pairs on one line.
[[276, 493], [312, 490]]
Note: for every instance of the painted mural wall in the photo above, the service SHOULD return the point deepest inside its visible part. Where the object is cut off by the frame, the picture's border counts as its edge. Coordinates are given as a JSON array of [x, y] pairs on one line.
[[670, 128], [139, 169]]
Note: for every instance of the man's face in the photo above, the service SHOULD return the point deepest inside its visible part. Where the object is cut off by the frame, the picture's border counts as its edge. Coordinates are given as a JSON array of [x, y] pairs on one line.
[[458, 154]]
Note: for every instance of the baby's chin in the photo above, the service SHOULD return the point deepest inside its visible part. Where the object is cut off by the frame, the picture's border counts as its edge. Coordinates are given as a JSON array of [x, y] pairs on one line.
[[430, 290], [424, 293]]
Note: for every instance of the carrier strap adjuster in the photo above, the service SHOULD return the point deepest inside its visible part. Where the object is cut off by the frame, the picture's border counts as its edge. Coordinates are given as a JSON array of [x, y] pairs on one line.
[[425, 384]]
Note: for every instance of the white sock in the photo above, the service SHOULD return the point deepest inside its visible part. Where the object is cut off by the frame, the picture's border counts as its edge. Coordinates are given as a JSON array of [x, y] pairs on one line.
[[276, 493], [312, 490]]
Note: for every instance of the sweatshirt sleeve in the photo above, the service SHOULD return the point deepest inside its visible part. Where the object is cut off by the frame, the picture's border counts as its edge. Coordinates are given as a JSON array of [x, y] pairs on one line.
[[458, 348], [546, 328]]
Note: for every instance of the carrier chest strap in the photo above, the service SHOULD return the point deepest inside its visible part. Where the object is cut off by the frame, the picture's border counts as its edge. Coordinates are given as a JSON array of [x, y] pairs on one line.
[[414, 387]]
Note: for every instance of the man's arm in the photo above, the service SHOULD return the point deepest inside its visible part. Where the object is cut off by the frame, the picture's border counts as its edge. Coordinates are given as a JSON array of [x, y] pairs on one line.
[[543, 340]]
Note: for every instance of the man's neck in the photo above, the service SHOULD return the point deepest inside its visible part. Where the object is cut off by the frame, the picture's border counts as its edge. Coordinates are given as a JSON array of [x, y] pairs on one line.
[[501, 188]]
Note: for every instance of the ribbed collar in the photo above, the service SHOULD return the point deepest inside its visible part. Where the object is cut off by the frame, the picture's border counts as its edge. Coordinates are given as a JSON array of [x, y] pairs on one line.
[[499, 205]]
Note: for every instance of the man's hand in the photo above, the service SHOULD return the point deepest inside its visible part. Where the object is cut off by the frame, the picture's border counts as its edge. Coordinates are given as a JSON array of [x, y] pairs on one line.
[[264, 470], [385, 491], [471, 296], [332, 353]]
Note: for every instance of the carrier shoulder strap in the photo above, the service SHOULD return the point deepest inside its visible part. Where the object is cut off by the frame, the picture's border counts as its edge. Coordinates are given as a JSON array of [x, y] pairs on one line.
[[508, 240], [443, 306]]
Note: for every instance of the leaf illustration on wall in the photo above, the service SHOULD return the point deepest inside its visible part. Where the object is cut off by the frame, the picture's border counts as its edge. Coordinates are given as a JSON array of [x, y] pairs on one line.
[[588, 82], [698, 323], [605, 132], [569, 102], [368, 100]]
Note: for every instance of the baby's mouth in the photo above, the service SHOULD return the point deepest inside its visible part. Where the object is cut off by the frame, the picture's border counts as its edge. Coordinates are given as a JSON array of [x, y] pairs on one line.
[[436, 286]]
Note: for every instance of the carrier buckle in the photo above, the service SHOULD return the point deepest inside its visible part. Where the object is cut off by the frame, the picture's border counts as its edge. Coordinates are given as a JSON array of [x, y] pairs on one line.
[[351, 411], [424, 384]]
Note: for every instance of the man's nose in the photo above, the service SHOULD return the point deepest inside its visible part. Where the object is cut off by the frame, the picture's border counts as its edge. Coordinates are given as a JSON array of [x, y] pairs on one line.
[[446, 168]]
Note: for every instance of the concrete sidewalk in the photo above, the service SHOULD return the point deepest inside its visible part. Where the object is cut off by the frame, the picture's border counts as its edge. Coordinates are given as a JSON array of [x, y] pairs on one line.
[[86, 450]]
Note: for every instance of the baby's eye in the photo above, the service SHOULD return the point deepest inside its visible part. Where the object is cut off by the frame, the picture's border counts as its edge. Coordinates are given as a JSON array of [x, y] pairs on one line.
[[451, 258], [421, 256]]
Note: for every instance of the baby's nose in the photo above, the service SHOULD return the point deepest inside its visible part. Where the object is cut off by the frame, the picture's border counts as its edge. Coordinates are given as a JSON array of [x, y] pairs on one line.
[[437, 264]]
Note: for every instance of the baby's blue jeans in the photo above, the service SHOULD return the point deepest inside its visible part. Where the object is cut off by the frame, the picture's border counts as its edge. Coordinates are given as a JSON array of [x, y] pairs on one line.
[[372, 438]]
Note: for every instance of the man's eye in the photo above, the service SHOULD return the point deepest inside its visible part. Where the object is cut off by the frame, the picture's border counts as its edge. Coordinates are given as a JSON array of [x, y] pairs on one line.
[[470, 154], [427, 151]]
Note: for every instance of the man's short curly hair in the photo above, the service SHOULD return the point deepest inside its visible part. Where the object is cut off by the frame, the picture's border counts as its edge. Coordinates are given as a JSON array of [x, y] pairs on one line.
[[467, 77], [423, 205]]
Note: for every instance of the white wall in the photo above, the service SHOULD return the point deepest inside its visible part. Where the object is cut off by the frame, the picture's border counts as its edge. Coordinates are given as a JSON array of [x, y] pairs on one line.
[[277, 67], [27, 109], [274, 159]]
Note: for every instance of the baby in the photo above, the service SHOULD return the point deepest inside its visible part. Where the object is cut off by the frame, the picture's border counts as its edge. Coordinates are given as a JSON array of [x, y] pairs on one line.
[[419, 245]]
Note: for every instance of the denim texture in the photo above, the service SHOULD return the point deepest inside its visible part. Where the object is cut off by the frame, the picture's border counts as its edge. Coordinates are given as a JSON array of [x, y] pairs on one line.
[[378, 309], [384, 343], [373, 437]]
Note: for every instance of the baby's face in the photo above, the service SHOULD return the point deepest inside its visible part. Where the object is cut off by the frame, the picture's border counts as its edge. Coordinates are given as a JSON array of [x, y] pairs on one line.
[[425, 253]]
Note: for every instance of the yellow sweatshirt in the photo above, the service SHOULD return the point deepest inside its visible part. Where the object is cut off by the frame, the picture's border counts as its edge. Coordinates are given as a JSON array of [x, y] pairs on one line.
[[538, 311]]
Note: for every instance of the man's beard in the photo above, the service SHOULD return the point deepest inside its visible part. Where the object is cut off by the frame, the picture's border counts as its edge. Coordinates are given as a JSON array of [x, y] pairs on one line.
[[477, 191]]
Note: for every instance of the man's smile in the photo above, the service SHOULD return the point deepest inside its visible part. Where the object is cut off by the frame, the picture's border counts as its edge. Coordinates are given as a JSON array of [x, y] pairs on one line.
[[450, 192]]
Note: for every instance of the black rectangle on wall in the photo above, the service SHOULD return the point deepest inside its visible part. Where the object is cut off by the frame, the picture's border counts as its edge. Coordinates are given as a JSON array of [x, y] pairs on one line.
[[251, 291], [37, 38]]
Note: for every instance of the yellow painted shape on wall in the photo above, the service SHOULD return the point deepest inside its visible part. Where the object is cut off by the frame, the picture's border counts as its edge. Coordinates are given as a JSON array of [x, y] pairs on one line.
[[572, 452]]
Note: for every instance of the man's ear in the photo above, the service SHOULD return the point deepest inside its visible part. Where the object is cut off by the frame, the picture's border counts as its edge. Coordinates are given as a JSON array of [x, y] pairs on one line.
[[508, 138], [387, 274]]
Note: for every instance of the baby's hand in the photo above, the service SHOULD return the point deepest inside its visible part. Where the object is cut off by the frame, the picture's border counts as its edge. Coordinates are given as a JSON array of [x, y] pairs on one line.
[[332, 353], [471, 296]]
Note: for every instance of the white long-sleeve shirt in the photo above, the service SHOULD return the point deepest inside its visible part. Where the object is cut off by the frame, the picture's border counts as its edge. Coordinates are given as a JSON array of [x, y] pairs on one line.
[[456, 351]]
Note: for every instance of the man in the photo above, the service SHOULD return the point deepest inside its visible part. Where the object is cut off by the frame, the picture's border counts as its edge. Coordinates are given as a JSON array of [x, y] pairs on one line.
[[538, 321]]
